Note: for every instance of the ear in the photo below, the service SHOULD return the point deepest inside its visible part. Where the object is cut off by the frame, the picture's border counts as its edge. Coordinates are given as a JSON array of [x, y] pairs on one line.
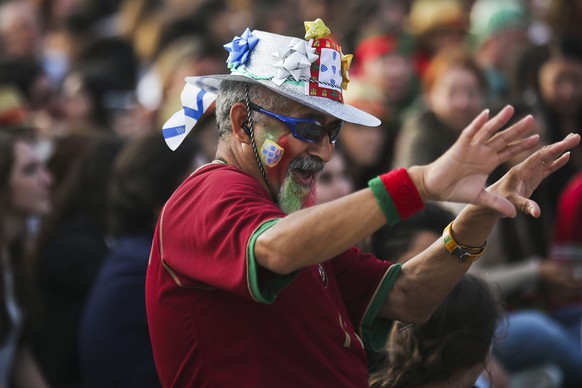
[[239, 122]]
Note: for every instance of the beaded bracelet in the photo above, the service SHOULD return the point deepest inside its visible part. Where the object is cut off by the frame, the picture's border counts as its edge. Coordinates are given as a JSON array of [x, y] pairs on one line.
[[397, 195]]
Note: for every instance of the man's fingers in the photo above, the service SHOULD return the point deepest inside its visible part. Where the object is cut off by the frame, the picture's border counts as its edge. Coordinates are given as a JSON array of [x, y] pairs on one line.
[[529, 207], [563, 145], [555, 155], [519, 146], [498, 203], [475, 125], [492, 126], [555, 164], [501, 139]]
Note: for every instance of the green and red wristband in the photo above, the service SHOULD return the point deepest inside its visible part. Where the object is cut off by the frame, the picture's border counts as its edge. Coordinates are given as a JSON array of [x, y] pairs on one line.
[[397, 195]]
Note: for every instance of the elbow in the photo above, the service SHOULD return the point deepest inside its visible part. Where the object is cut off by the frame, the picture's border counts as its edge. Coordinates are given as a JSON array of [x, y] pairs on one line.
[[410, 307], [270, 255]]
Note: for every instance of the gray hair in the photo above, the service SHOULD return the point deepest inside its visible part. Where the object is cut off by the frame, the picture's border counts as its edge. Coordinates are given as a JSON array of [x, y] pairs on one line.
[[231, 92]]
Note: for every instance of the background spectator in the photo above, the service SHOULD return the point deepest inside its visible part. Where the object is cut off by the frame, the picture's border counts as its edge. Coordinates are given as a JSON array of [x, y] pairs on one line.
[[24, 192], [114, 341], [68, 253], [454, 92], [445, 351]]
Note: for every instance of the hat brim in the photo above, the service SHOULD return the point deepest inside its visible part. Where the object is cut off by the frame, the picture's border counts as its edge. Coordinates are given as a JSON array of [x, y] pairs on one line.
[[344, 112]]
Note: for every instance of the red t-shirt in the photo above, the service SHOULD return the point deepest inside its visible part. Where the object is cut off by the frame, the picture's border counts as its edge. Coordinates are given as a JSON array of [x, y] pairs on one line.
[[217, 319], [568, 227]]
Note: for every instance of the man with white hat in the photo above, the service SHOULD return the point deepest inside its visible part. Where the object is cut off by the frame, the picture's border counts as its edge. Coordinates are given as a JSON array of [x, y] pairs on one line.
[[249, 284]]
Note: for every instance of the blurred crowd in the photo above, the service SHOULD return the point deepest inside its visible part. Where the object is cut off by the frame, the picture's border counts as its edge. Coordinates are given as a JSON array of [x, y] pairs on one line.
[[85, 86]]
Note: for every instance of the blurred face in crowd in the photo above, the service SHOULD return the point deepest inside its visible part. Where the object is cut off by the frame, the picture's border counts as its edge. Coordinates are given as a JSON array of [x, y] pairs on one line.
[[444, 39], [392, 74], [560, 82], [363, 145], [77, 103], [456, 97], [19, 30], [29, 182], [334, 181], [421, 241]]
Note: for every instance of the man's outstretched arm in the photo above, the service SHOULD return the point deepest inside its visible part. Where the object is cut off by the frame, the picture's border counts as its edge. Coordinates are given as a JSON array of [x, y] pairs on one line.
[[319, 233], [426, 279]]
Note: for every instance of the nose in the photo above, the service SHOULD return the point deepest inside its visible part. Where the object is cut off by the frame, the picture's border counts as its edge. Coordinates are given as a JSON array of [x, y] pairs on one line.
[[322, 149], [46, 177]]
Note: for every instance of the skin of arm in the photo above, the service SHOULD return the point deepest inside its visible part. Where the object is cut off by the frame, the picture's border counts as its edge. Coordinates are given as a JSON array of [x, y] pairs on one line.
[[427, 278], [302, 239]]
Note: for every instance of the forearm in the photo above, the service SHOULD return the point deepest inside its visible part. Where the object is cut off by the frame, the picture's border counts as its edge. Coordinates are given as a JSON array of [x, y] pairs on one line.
[[319, 233], [316, 234], [425, 280]]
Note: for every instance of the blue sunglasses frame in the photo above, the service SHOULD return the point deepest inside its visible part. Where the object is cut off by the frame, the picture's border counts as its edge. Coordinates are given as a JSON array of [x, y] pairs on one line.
[[303, 128]]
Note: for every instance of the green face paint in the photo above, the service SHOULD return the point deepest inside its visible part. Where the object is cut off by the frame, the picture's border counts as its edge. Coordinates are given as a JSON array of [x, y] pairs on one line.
[[292, 196]]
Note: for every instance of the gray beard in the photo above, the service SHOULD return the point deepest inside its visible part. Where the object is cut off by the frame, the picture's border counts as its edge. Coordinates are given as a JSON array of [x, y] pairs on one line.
[[292, 196]]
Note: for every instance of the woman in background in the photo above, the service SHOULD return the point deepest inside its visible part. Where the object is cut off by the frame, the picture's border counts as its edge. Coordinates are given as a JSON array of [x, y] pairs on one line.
[[68, 252], [451, 349], [455, 91], [114, 343], [24, 192]]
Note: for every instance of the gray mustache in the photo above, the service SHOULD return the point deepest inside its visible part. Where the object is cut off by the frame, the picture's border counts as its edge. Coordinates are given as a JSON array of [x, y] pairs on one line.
[[312, 164]]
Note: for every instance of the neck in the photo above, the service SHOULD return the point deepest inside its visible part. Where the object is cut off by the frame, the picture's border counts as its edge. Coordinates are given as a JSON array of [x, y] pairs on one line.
[[244, 159]]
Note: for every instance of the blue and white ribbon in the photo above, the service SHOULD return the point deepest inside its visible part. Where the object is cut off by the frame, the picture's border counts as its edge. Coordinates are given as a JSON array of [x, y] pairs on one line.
[[195, 101]]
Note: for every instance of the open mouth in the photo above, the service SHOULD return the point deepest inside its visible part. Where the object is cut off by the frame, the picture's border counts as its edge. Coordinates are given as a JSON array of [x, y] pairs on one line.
[[304, 177], [304, 170]]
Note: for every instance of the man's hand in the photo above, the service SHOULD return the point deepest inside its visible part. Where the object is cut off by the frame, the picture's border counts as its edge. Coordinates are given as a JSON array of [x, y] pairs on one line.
[[520, 182], [459, 175]]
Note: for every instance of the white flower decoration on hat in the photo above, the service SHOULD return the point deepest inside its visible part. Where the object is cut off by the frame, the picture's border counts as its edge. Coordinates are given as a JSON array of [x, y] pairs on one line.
[[294, 60]]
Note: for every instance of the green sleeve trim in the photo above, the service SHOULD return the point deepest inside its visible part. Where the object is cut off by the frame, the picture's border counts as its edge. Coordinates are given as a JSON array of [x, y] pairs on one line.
[[384, 201], [264, 285], [374, 330]]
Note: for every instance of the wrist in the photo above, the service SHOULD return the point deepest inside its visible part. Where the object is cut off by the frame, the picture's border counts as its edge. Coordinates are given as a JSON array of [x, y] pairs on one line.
[[472, 228], [397, 195], [416, 174], [465, 253]]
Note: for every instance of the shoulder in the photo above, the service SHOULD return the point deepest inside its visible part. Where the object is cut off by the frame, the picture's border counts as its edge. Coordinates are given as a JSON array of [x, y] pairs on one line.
[[219, 179], [214, 191]]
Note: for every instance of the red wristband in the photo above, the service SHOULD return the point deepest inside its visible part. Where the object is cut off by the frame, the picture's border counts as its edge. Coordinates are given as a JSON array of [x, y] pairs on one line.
[[403, 192]]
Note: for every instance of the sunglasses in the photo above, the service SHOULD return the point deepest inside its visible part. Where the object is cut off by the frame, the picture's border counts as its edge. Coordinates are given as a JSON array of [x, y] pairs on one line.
[[305, 129]]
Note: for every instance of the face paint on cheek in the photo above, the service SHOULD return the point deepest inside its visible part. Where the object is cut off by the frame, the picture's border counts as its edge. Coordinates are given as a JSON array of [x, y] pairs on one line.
[[271, 153]]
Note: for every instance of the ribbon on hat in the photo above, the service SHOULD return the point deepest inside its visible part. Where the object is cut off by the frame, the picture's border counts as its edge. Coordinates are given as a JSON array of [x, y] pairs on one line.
[[294, 60], [195, 101], [240, 49]]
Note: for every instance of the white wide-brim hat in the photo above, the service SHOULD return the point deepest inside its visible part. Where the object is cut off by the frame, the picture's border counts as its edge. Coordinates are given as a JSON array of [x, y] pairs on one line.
[[310, 72]]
